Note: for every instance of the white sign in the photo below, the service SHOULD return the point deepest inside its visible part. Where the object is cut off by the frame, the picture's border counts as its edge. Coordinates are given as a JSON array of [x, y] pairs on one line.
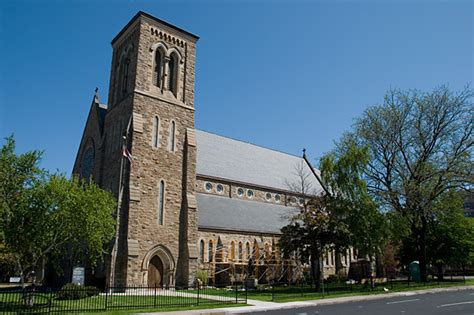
[[15, 279], [78, 275]]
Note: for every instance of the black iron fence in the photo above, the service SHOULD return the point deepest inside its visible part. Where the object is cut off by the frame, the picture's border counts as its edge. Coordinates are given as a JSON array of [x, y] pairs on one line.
[[67, 300], [306, 290]]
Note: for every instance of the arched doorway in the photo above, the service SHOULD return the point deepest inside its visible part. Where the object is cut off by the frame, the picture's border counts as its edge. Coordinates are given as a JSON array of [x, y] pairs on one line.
[[158, 267], [155, 272]]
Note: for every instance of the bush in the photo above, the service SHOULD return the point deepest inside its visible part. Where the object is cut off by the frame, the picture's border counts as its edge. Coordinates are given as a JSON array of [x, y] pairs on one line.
[[202, 276], [72, 291]]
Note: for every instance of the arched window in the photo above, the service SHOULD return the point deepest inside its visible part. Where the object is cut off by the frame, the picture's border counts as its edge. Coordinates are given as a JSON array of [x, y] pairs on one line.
[[256, 252], [247, 251], [173, 73], [240, 251], [125, 75], [232, 251], [172, 136], [267, 251], [209, 252], [156, 132], [201, 250], [161, 203], [157, 69]]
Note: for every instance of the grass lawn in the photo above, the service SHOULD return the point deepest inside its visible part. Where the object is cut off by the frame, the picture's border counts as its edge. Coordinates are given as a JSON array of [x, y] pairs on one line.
[[296, 293], [164, 309], [116, 304]]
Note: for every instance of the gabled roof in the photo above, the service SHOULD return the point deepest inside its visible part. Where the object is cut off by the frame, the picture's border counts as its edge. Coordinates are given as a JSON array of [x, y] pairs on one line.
[[238, 161], [224, 213]]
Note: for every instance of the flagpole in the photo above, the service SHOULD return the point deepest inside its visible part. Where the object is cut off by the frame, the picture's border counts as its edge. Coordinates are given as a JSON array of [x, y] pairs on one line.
[[117, 228]]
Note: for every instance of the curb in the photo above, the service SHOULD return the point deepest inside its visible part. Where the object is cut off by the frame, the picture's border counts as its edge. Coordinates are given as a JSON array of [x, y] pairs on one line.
[[269, 306]]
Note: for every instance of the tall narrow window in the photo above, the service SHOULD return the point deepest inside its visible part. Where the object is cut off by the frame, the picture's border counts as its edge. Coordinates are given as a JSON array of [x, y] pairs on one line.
[[173, 73], [209, 253], [158, 65], [201, 250], [240, 251], [248, 250], [232, 251], [156, 132], [125, 76], [161, 203], [172, 136]]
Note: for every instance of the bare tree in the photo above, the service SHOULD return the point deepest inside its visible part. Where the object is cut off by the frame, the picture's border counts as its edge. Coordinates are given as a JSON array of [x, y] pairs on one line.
[[421, 147]]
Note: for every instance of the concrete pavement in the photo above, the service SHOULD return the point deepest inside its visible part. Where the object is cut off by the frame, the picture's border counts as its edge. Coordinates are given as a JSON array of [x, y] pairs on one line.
[[272, 307]]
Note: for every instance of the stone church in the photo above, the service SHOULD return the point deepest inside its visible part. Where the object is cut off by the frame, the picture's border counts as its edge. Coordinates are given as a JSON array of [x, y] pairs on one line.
[[188, 200]]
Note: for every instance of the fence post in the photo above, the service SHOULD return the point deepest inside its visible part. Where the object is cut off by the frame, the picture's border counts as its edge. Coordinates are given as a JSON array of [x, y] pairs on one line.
[[154, 297], [50, 300], [273, 292], [236, 293], [106, 295], [246, 293], [199, 289]]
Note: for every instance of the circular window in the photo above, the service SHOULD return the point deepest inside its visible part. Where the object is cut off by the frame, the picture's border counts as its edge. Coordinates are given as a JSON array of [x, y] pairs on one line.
[[240, 192], [277, 198], [249, 193], [268, 196], [301, 201], [220, 188], [292, 200], [208, 186]]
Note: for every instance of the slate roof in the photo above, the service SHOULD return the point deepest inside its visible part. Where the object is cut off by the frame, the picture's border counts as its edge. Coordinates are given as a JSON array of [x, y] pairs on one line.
[[235, 214], [239, 161]]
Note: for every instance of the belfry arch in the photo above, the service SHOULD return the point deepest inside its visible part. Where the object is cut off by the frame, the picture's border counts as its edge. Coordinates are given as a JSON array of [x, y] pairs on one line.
[[158, 267]]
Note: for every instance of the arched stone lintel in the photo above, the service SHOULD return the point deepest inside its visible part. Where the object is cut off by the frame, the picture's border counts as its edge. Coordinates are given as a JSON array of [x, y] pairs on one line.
[[163, 253]]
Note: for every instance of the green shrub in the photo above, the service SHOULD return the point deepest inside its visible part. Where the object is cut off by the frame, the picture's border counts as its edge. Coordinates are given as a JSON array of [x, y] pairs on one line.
[[202, 276], [72, 291]]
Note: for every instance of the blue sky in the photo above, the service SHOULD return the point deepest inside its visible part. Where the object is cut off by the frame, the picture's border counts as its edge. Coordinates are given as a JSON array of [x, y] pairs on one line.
[[282, 74]]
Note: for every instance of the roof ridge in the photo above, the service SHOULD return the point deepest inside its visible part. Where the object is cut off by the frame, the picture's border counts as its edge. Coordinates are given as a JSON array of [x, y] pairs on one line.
[[250, 143]]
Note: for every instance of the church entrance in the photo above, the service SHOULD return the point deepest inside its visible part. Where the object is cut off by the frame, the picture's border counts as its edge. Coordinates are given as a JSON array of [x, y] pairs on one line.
[[155, 272]]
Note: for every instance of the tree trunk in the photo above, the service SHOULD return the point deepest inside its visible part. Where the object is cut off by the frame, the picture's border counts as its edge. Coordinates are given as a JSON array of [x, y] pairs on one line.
[[422, 253], [315, 268], [440, 271], [379, 270]]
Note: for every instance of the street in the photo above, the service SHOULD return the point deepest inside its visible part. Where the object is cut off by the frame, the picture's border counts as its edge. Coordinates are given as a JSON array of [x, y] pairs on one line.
[[458, 303]]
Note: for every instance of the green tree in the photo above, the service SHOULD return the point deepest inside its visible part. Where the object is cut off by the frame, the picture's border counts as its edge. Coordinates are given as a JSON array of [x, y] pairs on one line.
[[450, 235], [42, 213], [363, 225], [343, 216], [420, 147]]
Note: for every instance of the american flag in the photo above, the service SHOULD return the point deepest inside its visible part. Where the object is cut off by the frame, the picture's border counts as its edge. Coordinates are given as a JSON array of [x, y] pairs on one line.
[[127, 154]]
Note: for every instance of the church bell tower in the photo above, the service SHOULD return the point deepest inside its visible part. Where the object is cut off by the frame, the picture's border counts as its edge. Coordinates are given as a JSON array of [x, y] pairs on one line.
[[151, 102]]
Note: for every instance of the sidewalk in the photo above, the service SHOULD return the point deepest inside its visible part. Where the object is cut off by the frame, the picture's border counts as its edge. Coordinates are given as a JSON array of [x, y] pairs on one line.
[[255, 305]]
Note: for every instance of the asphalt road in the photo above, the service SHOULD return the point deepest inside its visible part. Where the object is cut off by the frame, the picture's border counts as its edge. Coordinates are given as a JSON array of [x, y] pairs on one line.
[[453, 303]]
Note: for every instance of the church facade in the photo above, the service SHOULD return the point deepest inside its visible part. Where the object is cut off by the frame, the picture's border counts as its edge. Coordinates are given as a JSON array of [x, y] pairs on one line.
[[189, 201]]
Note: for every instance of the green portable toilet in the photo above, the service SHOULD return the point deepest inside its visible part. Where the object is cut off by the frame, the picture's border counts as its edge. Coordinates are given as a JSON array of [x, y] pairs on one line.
[[414, 268]]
